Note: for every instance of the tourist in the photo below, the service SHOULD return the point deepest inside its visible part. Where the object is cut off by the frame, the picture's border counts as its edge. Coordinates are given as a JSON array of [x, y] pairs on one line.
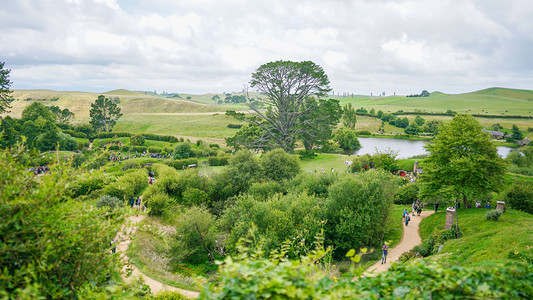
[[407, 219], [413, 207], [132, 201], [478, 204], [385, 249], [405, 212], [419, 209], [487, 206], [114, 249], [436, 206]]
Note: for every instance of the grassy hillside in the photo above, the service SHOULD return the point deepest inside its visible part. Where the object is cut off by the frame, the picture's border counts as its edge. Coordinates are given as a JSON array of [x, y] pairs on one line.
[[490, 101], [483, 241]]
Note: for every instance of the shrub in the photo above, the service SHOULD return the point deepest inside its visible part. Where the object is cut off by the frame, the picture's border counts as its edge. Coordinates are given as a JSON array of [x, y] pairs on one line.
[[407, 194], [364, 132], [158, 203], [263, 190], [78, 160], [220, 160], [422, 250], [520, 196], [138, 149], [493, 215], [153, 149], [125, 148], [279, 165], [359, 163], [357, 209], [214, 146], [109, 201], [128, 165], [236, 126], [137, 140], [347, 139], [168, 295], [194, 196], [128, 185], [306, 154], [313, 184], [113, 147], [182, 150]]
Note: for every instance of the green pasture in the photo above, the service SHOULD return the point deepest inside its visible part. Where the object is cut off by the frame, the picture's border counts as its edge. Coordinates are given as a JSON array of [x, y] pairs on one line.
[[326, 161], [207, 125], [483, 242]]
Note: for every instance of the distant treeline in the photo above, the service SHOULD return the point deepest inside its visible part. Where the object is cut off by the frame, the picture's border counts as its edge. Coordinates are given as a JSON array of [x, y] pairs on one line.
[[449, 113]]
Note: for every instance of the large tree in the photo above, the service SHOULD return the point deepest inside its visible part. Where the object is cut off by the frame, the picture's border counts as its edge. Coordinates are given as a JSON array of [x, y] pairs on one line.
[[320, 118], [349, 116], [5, 93], [62, 115], [462, 162], [286, 85], [104, 114]]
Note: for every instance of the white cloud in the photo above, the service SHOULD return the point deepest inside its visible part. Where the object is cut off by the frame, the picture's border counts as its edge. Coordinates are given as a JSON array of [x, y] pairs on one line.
[[213, 45]]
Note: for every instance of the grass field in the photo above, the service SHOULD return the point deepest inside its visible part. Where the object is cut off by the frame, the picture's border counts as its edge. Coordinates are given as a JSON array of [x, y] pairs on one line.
[[483, 241]]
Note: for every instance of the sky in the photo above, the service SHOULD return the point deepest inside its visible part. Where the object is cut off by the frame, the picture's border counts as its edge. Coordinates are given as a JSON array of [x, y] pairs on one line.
[[204, 46]]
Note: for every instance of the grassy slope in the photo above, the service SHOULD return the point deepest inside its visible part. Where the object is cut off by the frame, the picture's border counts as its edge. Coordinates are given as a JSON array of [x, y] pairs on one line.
[[483, 242]]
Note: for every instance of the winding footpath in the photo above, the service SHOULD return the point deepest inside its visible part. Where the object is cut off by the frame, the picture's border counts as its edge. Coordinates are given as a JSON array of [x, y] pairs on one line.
[[411, 238], [124, 240]]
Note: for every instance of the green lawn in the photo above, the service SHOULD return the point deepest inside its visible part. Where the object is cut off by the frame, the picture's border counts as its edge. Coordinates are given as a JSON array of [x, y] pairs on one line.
[[326, 161], [483, 241]]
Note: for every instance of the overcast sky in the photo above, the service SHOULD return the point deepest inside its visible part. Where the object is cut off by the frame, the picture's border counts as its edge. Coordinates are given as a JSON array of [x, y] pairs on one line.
[[202, 46]]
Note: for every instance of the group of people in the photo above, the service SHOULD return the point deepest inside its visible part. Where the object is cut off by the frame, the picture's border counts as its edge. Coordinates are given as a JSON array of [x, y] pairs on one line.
[[416, 208], [40, 170], [119, 157], [487, 205]]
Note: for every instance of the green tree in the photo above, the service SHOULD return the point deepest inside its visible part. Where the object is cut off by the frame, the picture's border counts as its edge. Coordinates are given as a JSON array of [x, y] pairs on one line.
[[319, 120], [279, 165], [385, 160], [349, 116], [182, 150], [347, 139], [247, 137], [424, 93], [517, 134], [9, 132], [49, 138], [137, 140], [37, 110], [287, 85], [5, 93], [104, 114], [432, 126], [462, 161], [413, 129], [215, 98], [62, 115], [419, 121], [357, 210]]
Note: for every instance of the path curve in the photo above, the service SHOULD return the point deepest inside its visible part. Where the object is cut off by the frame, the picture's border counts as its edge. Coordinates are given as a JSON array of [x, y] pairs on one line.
[[124, 240], [411, 238]]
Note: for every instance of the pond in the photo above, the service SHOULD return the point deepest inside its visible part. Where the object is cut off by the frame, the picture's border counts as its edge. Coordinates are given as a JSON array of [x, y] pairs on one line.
[[405, 148]]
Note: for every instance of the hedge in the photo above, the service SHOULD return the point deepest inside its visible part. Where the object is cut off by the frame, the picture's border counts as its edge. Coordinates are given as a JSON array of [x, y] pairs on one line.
[[180, 163]]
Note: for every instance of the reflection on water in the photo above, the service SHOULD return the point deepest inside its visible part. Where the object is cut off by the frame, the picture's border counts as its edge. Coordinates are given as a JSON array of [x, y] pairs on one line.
[[405, 148]]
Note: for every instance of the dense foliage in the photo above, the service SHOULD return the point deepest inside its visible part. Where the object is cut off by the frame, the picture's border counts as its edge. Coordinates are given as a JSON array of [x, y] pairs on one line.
[[52, 247]]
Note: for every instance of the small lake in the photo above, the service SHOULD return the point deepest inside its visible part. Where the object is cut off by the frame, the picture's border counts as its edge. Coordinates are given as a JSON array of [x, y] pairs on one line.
[[405, 148]]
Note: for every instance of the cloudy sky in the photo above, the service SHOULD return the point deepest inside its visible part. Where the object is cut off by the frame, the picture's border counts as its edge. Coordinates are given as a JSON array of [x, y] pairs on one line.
[[201, 46]]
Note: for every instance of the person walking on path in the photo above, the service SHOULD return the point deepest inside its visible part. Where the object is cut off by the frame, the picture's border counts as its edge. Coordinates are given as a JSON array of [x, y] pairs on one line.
[[436, 206], [385, 249], [407, 219], [113, 244], [132, 201]]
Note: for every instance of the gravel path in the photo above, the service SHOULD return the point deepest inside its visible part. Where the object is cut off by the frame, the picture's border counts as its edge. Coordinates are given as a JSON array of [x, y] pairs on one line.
[[124, 240], [411, 238]]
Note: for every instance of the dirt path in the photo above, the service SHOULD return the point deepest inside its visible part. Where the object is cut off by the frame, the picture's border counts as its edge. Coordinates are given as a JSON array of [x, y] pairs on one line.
[[411, 238], [124, 240]]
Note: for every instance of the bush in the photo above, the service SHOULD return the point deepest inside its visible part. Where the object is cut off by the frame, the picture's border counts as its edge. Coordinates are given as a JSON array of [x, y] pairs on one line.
[[113, 147], [220, 160], [520, 196], [359, 163], [407, 194], [137, 149], [182, 150], [130, 184], [279, 165], [109, 201], [422, 250], [347, 139], [364, 132], [306, 154], [263, 190], [217, 146], [236, 126], [128, 165], [125, 148], [493, 215], [313, 184], [357, 210], [168, 295], [194, 196], [137, 140], [153, 149], [158, 203], [78, 160]]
